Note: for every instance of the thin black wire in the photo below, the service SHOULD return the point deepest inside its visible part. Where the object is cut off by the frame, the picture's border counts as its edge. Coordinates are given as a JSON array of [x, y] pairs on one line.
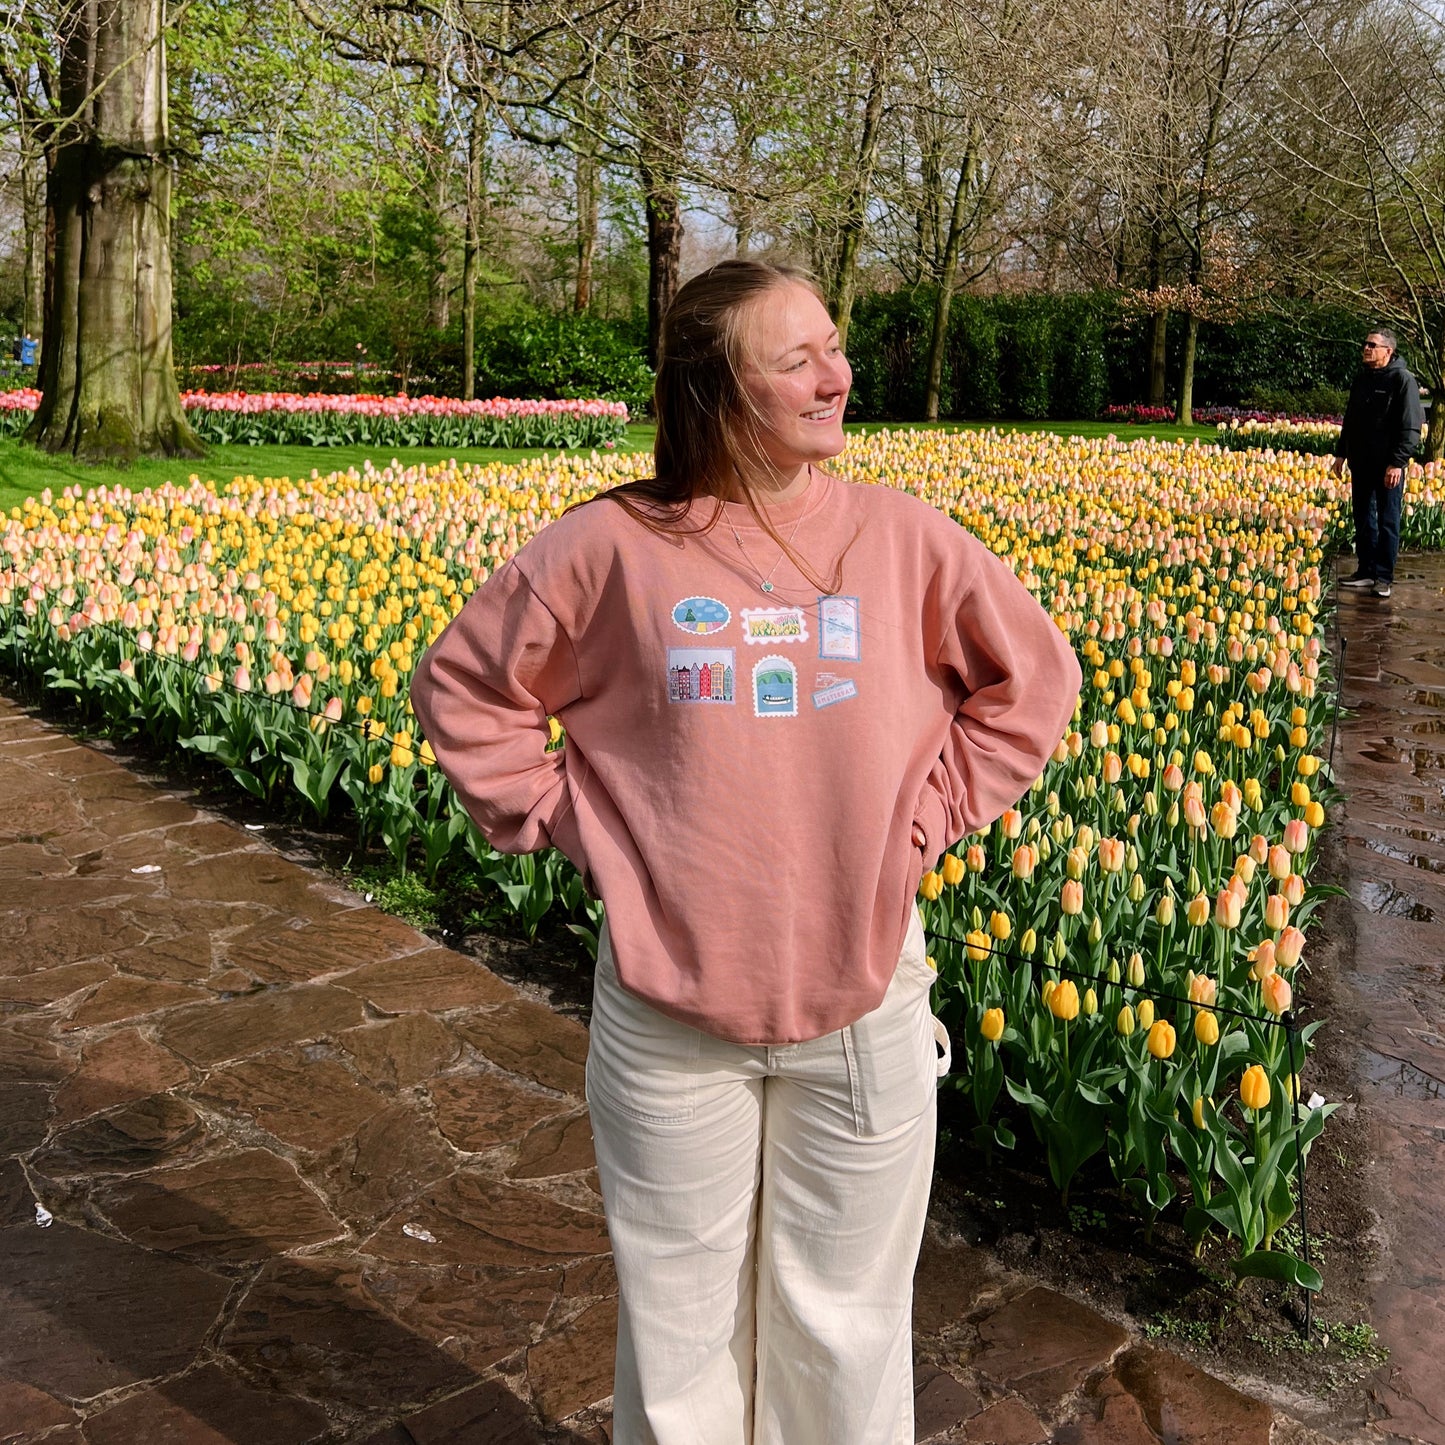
[[1046, 961], [369, 730], [1287, 1021]]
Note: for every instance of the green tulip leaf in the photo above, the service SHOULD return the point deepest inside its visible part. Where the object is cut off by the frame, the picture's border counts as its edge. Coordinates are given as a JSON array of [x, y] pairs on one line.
[[1276, 1264]]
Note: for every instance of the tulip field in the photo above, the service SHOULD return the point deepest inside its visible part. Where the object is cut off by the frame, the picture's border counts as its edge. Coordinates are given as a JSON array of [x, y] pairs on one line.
[[1115, 954], [276, 418], [1314, 437]]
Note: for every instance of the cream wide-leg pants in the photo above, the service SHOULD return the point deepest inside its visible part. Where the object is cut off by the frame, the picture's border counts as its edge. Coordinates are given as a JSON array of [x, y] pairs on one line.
[[766, 1206]]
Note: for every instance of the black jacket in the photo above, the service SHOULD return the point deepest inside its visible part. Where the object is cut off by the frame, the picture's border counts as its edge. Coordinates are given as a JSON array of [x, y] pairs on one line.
[[1382, 421]]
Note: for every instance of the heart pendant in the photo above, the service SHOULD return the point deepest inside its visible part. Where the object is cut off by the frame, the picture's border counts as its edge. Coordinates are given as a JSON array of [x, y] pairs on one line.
[[767, 586]]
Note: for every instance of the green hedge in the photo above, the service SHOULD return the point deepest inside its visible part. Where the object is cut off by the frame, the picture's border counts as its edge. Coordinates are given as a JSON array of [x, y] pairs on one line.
[[1037, 356]]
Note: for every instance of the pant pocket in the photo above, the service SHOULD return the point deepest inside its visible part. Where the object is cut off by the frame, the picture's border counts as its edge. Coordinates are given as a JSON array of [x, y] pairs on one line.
[[640, 1063], [892, 1053]]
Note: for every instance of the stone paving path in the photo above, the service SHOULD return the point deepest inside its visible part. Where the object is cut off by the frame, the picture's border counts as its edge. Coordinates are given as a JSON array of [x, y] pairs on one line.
[[315, 1179], [1391, 763]]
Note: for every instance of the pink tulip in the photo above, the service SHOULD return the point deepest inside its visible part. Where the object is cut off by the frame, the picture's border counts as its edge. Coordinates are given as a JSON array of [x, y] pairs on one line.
[[1276, 993], [1071, 897], [1289, 948], [1276, 912], [1296, 835]]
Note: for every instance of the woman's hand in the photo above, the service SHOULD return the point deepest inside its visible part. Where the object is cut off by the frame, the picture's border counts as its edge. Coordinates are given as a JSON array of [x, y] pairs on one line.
[[920, 838]]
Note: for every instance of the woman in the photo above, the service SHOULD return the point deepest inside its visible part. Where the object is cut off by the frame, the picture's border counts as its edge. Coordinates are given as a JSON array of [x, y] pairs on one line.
[[784, 696]]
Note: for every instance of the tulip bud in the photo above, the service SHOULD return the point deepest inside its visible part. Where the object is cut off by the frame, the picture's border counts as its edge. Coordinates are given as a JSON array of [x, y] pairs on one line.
[[1198, 1111], [952, 870], [1264, 962], [1096, 930], [1171, 818], [1023, 862], [1136, 971], [1290, 947], [1091, 1002], [1165, 911], [1206, 1027], [1113, 973], [1197, 911], [1125, 1021], [1227, 909], [1028, 943], [1254, 1088], [991, 1025], [1276, 993], [974, 858], [1076, 862], [1071, 898], [1161, 1040], [1060, 948], [1145, 1013]]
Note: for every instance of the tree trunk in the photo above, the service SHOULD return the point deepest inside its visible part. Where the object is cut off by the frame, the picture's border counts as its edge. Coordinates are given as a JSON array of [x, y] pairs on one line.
[[1158, 357], [588, 204], [32, 183], [664, 251], [107, 371], [472, 248], [845, 277], [438, 293], [1186, 380], [948, 277]]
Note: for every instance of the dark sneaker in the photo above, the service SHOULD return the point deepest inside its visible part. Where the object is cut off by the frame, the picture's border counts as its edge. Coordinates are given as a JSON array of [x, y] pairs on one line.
[[1382, 589], [1358, 580]]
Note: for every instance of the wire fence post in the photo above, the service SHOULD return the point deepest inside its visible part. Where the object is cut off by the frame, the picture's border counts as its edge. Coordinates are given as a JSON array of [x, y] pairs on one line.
[[1296, 1065]]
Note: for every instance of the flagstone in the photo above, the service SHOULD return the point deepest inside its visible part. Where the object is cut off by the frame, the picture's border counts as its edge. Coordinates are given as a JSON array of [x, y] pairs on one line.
[[479, 1110], [235, 1028], [392, 1157], [401, 1051], [528, 1039], [128, 998], [117, 1069], [433, 980], [155, 1131]]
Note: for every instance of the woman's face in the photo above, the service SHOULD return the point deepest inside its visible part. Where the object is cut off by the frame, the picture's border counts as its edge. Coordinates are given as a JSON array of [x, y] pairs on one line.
[[797, 378]]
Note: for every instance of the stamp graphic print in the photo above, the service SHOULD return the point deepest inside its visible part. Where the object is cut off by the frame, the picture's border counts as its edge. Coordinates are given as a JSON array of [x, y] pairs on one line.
[[701, 616], [774, 625], [840, 636], [775, 687], [830, 689], [700, 674]]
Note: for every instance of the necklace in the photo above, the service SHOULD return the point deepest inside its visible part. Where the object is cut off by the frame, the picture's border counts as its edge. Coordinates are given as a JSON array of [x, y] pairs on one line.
[[766, 583]]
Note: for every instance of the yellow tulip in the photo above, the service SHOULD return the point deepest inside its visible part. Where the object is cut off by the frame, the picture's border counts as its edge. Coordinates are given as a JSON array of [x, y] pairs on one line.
[[1206, 1027], [1145, 1013], [1125, 1021], [375, 773], [930, 885], [953, 869], [1254, 1088], [1198, 1111], [978, 945], [1000, 926], [1064, 1000], [1161, 1040], [991, 1025]]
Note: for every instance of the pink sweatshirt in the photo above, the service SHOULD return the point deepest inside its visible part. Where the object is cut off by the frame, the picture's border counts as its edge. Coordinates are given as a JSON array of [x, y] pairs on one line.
[[743, 769]]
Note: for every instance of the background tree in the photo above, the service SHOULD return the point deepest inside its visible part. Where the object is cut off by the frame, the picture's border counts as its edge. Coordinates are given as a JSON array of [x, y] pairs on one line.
[[106, 370]]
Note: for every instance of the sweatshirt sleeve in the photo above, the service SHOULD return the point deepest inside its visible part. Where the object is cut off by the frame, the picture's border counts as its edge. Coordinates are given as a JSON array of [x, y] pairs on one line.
[[1020, 681], [482, 694]]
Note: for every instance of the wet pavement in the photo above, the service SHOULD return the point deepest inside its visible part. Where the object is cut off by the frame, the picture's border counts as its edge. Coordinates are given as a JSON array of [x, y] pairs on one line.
[[315, 1179], [1390, 760]]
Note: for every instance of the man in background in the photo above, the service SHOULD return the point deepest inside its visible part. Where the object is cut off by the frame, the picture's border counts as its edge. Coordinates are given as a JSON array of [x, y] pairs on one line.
[[1380, 433]]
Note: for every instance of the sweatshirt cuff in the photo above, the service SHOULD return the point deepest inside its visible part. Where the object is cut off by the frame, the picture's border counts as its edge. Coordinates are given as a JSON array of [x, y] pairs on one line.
[[931, 815]]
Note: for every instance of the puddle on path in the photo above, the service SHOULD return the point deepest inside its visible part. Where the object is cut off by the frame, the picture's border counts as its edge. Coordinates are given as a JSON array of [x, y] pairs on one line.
[[1395, 1076], [1382, 898], [1403, 855]]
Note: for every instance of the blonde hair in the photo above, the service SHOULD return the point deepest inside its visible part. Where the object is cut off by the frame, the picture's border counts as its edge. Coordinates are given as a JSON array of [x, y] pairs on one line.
[[707, 425]]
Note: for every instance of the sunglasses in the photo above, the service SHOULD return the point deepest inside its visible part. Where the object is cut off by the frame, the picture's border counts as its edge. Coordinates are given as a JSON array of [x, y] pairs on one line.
[[1375, 346]]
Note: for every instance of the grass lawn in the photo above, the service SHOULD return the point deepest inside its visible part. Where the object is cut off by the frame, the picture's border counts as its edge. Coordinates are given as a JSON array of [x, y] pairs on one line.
[[25, 472]]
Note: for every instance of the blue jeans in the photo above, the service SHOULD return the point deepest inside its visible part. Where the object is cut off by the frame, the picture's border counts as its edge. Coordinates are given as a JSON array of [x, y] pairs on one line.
[[1377, 523]]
